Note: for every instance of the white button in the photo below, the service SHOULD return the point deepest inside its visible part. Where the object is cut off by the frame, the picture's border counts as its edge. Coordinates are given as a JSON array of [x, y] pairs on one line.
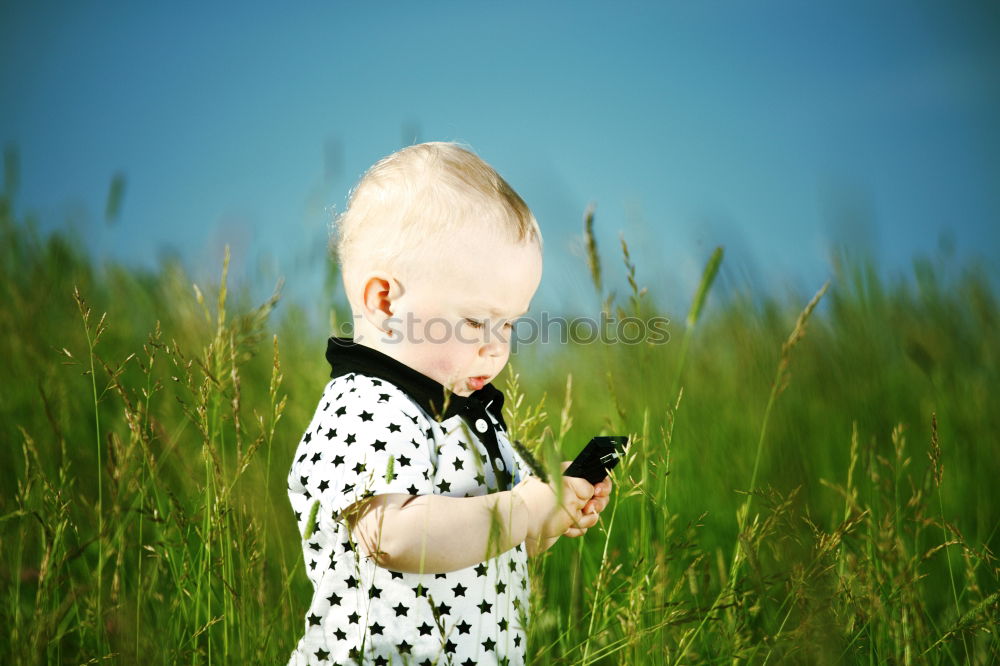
[[500, 464], [481, 425]]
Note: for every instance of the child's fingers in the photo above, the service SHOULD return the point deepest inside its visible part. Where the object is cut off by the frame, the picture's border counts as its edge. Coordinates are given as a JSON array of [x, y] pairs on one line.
[[587, 520], [596, 505], [581, 487], [582, 523], [603, 488]]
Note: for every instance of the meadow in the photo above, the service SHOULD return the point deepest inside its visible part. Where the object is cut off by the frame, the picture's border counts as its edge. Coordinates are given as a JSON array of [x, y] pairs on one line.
[[812, 479]]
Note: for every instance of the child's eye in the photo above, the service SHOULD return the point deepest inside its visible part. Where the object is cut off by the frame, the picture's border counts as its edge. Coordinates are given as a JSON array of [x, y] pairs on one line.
[[473, 323]]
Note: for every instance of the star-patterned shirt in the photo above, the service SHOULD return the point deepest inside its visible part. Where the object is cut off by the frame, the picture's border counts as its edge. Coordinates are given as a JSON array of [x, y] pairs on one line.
[[383, 427]]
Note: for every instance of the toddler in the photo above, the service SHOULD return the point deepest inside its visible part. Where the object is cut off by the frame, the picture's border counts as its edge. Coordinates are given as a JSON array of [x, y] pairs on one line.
[[417, 515]]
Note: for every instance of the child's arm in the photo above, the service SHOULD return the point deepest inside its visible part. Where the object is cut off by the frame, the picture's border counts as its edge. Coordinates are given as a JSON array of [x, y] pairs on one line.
[[437, 533]]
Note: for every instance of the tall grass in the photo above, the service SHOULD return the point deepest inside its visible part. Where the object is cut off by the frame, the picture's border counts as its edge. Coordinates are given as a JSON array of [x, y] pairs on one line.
[[872, 582], [819, 496]]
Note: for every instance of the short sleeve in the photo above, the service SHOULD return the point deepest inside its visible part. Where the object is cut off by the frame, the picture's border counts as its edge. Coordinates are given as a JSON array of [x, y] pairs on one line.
[[367, 438]]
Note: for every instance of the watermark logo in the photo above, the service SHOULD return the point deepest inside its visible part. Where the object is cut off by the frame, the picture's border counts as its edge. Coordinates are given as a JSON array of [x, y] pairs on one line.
[[545, 329]]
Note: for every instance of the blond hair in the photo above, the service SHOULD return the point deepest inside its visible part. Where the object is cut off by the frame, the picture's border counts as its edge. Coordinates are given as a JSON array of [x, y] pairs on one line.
[[408, 202]]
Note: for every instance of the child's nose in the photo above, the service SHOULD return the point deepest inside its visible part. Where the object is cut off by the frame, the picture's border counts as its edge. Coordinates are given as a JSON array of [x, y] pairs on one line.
[[494, 348]]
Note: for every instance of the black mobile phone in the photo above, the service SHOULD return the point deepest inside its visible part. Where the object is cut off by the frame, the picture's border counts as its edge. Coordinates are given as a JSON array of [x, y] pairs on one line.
[[598, 458]]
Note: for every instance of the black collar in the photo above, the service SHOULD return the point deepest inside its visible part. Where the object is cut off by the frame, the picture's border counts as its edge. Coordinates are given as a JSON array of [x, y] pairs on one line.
[[346, 356]]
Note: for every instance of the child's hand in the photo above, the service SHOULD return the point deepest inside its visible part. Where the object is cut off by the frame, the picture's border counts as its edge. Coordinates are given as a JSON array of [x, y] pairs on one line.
[[594, 506], [550, 518]]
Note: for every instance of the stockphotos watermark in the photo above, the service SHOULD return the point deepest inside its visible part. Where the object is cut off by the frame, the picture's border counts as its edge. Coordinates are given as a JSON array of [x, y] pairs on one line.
[[606, 329]]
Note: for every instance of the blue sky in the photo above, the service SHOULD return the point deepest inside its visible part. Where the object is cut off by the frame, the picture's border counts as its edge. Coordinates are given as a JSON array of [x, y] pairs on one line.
[[776, 129]]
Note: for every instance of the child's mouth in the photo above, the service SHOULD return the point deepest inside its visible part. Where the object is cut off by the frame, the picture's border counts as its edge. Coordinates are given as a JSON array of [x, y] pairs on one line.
[[476, 383]]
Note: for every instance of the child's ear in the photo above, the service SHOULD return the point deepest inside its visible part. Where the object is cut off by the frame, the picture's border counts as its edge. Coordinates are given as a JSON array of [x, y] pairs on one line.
[[379, 294]]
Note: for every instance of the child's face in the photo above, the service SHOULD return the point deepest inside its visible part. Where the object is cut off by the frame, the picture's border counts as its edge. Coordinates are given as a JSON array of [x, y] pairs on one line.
[[453, 321]]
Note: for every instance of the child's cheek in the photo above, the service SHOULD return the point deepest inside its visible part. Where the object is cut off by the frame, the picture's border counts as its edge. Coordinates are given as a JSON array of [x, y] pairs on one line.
[[443, 364]]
